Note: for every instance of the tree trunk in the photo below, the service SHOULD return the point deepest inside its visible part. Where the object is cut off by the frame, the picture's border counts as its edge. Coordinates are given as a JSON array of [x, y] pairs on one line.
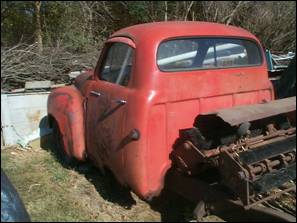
[[166, 11], [188, 8], [38, 26], [177, 11], [231, 16]]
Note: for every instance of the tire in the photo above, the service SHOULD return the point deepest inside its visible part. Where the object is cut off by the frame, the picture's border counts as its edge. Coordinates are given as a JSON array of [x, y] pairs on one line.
[[59, 149]]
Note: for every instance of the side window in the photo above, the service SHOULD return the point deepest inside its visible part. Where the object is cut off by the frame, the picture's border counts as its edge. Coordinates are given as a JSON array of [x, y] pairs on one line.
[[116, 67]]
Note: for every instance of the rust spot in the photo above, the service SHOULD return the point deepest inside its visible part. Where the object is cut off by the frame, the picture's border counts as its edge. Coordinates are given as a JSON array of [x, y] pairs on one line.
[[34, 117]]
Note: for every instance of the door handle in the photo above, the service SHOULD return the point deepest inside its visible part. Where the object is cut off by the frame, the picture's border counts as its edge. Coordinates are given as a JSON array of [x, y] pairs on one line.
[[120, 101], [95, 93]]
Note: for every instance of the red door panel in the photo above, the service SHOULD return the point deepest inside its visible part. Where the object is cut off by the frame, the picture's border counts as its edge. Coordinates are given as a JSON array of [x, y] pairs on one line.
[[105, 123]]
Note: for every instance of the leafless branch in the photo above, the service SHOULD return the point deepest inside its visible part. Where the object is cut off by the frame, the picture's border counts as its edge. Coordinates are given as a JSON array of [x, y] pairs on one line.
[[23, 63]]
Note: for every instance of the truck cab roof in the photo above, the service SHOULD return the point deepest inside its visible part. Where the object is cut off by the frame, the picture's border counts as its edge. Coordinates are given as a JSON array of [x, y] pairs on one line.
[[158, 31]]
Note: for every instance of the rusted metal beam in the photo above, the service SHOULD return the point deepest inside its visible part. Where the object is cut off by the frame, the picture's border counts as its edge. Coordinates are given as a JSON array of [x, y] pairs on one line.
[[252, 142], [246, 113]]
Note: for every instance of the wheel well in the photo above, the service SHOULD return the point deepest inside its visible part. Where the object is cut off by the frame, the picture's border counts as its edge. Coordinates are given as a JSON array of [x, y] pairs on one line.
[[50, 120]]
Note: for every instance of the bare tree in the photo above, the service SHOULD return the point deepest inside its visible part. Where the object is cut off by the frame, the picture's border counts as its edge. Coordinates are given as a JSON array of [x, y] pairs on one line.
[[187, 9], [229, 18], [166, 11], [38, 34], [88, 12]]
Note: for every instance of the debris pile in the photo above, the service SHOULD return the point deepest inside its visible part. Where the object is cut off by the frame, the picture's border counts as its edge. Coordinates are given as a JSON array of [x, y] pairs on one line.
[[23, 63]]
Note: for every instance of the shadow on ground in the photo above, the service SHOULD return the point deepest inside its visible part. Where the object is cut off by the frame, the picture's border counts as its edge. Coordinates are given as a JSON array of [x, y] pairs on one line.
[[170, 206]]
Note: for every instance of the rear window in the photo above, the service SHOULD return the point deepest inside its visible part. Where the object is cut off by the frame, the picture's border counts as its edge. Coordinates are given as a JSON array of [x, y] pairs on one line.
[[207, 53]]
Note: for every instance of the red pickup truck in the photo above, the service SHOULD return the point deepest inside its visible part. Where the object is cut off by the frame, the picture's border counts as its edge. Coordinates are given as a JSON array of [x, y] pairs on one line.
[[149, 88]]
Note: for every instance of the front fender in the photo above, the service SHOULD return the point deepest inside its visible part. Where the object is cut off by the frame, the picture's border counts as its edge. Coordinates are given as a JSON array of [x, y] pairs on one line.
[[65, 105]]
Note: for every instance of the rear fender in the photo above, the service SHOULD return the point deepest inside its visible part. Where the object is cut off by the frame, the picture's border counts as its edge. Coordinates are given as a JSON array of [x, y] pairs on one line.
[[65, 105]]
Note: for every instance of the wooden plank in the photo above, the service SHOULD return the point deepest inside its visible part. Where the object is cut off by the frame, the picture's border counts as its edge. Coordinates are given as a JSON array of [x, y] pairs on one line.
[[38, 84]]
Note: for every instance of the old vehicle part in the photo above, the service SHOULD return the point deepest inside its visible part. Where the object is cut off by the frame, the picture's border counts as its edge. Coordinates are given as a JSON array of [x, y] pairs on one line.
[[212, 198], [12, 207], [59, 149], [158, 84], [250, 164], [286, 85], [65, 106]]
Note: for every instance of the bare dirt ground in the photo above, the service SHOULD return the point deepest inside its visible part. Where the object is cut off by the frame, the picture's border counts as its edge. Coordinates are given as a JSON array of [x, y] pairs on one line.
[[52, 192]]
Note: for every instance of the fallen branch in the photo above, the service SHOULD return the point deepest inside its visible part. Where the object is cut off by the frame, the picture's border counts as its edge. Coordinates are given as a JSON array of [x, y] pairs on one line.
[[23, 63]]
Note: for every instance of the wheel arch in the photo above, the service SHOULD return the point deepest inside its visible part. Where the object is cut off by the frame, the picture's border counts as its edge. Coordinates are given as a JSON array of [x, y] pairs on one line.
[[65, 106]]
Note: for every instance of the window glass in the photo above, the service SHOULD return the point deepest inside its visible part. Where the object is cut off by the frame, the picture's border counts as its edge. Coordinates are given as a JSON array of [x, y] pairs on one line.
[[117, 64], [177, 54], [203, 53]]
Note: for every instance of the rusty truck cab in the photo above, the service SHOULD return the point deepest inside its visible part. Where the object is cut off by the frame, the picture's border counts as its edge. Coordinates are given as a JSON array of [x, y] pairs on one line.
[[150, 82], [163, 94]]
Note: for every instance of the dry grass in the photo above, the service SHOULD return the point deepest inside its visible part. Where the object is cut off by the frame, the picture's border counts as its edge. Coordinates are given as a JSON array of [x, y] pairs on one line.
[[53, 193]]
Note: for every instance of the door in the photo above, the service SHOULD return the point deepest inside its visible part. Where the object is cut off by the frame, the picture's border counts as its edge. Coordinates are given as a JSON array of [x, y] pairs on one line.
[[107, 105]]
